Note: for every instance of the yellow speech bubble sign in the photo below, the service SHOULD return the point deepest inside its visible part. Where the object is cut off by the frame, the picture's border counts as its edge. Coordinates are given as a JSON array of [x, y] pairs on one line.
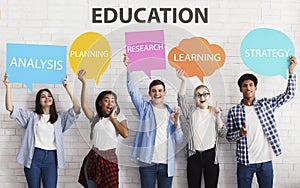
[[90, 51]]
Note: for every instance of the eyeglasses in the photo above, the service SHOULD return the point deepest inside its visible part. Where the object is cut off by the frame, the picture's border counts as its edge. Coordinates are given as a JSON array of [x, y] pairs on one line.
[[202, 95]]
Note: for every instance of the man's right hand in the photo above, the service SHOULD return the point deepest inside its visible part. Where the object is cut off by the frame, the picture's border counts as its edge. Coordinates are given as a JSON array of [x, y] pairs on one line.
[[243, 131]]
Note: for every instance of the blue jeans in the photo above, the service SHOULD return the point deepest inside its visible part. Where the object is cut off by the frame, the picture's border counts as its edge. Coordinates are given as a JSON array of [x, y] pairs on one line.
[[264, 175], [149, 174], [43, 166], [90, 183]]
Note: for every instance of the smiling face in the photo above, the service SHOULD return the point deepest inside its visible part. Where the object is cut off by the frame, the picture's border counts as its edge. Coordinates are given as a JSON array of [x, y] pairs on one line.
[[202, 96], [248, 89], [107, 104], [157, 94], [46, 99]]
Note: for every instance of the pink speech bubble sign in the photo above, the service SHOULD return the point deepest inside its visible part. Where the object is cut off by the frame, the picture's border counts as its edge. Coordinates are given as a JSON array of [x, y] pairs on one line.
[[146, 51]]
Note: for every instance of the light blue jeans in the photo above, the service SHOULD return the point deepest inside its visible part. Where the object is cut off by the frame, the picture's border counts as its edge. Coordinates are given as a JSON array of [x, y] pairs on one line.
[[264, 174], [149, 174], [43, 167]]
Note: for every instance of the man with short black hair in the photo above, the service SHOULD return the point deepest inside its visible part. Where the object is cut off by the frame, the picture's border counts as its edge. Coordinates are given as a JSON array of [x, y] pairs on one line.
[[251, 123]]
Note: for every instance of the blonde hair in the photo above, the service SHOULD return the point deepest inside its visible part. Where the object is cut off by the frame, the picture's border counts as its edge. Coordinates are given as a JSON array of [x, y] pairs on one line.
[[199, 87], [211, 109]]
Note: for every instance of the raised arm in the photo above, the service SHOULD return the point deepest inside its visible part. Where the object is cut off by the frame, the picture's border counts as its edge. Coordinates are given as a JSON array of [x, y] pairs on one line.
[[182, 88], [181, 98], [290, 90], [84, 103], [136, 97], [76, 105], [8, 104]]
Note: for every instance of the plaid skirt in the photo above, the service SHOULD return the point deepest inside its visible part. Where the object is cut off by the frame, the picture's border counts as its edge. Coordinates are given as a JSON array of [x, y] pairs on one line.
[[102, 168]]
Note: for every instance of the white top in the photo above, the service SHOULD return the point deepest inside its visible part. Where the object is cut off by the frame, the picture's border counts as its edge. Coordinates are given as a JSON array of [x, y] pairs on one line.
[[160, 154], [105, 135], [259, 149], [44, 136], [203, 129]]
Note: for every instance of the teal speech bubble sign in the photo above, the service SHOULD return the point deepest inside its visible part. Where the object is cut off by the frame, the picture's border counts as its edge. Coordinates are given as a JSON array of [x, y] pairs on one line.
[[33, 63], [266, 51]]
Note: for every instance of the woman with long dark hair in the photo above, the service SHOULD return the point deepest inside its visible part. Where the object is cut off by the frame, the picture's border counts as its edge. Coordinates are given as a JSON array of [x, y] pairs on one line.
[[100, 166], [42, 150]]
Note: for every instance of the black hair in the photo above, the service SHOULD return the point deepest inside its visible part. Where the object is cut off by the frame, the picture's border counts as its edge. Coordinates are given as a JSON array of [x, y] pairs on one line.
[[247, 76], [99, 99], [39, 109], [157, 82]]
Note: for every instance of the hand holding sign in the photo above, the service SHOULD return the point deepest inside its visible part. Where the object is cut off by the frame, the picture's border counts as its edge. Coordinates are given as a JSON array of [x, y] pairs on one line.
[[293, 63], [197, 57]]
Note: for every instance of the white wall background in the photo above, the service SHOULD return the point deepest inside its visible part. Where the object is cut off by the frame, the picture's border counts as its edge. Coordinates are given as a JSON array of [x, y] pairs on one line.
[[59, 22]]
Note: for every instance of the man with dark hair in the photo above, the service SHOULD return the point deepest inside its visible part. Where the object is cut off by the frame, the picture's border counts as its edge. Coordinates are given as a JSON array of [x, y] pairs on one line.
[[251, 123], [157, 82], [247, 76], [158, 132]]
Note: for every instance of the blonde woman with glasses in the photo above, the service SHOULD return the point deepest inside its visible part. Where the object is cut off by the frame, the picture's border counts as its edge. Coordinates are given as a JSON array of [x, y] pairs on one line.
[[204, 126]]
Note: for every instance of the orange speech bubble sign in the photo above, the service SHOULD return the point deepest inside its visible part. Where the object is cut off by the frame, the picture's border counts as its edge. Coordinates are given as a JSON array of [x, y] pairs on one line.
[[197, 57]]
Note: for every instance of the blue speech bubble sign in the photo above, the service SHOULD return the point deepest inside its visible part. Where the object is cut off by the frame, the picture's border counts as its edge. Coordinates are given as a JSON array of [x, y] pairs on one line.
[[266, 52], [32, 63]]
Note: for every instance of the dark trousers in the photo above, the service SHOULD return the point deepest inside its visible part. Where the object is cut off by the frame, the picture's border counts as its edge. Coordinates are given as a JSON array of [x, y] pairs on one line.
[[203, 162]]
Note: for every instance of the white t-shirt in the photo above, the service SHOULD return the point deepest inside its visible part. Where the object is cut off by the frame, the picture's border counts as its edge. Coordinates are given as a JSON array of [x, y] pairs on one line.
[[203, 129], [160, 154], [105, 135], [44, 136], [259, 149]]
